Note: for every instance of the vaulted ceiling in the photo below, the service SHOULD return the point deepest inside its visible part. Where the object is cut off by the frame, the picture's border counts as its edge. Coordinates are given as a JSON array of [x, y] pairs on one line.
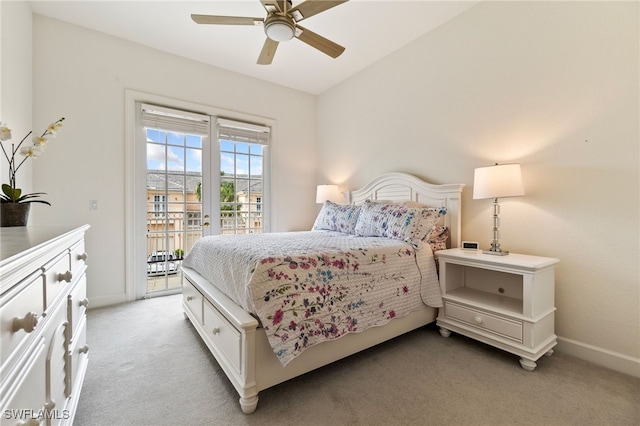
[[368, 29]]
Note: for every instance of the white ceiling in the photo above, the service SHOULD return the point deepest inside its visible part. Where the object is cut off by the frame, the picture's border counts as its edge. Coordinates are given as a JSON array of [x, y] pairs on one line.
[[368, 29]]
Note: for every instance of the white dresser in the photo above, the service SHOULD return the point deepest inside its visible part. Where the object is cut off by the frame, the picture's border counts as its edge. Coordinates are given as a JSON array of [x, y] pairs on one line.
[[43, 350]]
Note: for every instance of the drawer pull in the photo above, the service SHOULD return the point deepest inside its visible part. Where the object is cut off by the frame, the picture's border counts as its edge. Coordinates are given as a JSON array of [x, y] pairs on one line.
[[84, 349], [189, 298], [477, 319], [67, 276], [216, 330], [84, 302], [82, 257], [50, 405], [28, 323]]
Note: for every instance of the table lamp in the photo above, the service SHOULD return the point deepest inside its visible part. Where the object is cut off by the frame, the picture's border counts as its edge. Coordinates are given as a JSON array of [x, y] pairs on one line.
[[498, 181], [328, 193]]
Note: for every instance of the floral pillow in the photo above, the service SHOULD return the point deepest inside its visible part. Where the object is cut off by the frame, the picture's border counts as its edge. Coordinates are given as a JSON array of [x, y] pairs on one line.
[[337, 217], [438, 237], [398, 221]]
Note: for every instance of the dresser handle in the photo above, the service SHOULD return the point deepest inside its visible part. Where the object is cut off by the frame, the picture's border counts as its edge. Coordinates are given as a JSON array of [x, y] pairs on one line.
[[67, 276], [84, 349], [477, 319], [216, 330], [28, 323], [84, 302], [189, 298], [82, 257]]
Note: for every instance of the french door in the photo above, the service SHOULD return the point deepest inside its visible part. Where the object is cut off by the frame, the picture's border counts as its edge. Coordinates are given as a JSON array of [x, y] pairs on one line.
[[176, 143], [204, 176]]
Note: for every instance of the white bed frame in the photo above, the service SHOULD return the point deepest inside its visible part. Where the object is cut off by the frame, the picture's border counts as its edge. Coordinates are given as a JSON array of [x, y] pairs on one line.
[[241, 347]]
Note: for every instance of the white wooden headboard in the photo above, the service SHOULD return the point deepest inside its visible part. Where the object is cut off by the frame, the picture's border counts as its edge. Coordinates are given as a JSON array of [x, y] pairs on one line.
[[404, 187]]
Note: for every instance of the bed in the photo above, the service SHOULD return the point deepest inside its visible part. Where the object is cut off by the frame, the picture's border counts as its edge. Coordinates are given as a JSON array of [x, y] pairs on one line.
[[262, 335]]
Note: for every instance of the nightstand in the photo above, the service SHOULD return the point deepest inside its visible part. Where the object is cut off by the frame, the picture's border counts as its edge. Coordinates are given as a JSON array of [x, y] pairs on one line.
[[504, 301]]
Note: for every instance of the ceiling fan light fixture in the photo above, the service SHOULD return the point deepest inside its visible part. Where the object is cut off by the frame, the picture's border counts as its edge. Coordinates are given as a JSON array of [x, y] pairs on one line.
[[279, 29]]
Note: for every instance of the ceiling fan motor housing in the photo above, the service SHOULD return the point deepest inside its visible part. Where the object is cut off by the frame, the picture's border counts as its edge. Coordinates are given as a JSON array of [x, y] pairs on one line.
[[279, 27]]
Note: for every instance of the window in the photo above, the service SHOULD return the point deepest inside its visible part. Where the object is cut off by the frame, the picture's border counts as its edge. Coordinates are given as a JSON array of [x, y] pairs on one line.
[[243, 153], [159, 206]]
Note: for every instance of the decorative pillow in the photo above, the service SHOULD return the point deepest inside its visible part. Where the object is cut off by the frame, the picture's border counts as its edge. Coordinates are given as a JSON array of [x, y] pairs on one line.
[[398, 221], [337, 217], [438, 237]]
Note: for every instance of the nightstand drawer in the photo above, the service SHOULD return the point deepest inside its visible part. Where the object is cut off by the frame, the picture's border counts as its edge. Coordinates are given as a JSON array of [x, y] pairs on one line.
[[483, 320]]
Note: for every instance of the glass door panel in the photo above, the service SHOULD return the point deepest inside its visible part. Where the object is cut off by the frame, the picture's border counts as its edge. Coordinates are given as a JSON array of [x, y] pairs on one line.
[[174, 205]]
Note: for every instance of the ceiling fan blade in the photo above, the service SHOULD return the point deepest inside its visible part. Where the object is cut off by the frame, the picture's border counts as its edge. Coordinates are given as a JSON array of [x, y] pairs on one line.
[[312, 7], [268, 51], [226, 20], [322, 44]]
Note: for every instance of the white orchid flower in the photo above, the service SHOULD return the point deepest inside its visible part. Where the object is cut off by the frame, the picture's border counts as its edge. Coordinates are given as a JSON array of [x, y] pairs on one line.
[[40, 141], [10, 193], [5, 132], [31, 151]]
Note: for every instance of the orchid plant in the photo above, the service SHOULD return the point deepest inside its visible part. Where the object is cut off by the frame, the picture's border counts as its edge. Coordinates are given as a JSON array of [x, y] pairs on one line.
[[11, 194]]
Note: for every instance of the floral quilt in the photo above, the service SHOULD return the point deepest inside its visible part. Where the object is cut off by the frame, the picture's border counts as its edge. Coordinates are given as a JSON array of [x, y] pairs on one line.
[[307, 287]]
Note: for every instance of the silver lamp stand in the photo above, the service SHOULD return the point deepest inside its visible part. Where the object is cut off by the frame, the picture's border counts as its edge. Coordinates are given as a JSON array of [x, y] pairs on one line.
[[495, 244]]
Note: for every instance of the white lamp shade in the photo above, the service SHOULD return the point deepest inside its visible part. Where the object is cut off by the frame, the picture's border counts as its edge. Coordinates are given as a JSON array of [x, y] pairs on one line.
[[499, 181], [328, 193]]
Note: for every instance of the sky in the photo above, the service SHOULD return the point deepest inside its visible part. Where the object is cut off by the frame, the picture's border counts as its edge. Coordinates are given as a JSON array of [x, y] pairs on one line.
[[182, 151]]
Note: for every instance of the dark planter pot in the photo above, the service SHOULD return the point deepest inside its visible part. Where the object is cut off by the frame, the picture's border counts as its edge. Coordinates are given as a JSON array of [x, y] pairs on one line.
[[14, 214]]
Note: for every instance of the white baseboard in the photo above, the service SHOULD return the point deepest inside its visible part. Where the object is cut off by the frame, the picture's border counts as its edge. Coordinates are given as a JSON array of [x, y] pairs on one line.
[[603, 357], [98, 302]]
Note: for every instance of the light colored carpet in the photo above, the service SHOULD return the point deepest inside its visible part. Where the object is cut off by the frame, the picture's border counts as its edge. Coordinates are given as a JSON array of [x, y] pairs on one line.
[[147, 366]]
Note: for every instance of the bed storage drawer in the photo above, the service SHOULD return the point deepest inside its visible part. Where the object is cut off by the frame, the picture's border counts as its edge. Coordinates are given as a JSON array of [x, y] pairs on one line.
[[483, 320], [225, 336], [192, 299]]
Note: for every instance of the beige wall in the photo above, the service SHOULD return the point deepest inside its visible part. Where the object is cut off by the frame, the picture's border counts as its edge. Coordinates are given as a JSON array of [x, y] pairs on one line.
[[553, 86], [15, 83]]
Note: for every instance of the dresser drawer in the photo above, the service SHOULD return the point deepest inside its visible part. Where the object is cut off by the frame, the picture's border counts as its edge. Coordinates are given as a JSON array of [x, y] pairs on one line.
[[79, 357], [25, 396], [77, 303], [192, 299], [20, 314], [226, 337], [78, 257], [58, 277], [483, 320]]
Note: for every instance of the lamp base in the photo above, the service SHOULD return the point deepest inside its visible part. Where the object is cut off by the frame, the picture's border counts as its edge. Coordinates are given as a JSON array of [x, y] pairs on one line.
[[496, 253]]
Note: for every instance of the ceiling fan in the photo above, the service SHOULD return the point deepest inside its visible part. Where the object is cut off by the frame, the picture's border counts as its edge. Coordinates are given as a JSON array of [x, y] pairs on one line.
[[281, 24]]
